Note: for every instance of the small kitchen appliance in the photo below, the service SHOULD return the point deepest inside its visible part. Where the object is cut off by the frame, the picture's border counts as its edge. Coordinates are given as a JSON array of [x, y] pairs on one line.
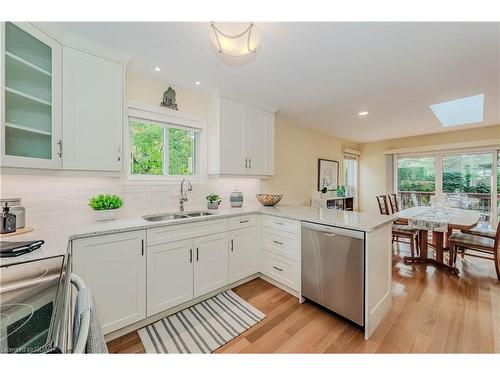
[[8, 220]]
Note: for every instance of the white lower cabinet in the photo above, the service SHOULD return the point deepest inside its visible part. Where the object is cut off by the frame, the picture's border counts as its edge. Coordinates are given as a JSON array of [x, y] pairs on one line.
[[170, 275], [242, 253], [210, 263], [132, 279], [114, 266], [280, 250]]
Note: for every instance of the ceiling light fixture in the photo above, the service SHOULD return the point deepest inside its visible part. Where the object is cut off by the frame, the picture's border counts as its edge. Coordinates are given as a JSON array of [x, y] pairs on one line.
[[363, 113], [235, 39], [157, 69], [197, 83]]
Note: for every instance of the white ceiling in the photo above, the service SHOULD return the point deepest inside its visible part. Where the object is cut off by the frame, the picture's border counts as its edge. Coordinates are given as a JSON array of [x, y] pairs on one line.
[[320, 75]]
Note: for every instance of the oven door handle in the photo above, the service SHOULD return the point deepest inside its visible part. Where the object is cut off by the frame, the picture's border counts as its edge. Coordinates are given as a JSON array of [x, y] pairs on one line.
[[81, 342]]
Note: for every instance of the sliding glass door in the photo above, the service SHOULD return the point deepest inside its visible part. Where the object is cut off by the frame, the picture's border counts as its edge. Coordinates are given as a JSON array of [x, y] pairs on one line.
[[416, 180], [467, 179]]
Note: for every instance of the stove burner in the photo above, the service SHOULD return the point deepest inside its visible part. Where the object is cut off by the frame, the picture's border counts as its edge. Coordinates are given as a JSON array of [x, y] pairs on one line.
[[24, 310]]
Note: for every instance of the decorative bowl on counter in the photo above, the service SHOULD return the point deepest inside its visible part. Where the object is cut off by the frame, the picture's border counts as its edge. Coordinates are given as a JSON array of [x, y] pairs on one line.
[[269, 199]]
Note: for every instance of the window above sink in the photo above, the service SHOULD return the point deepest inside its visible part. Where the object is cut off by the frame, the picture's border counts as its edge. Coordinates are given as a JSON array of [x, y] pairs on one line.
[[164, 145]]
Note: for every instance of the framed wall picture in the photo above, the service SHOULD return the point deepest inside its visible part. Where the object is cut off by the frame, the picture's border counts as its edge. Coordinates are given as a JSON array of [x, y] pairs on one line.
[[328, 174]]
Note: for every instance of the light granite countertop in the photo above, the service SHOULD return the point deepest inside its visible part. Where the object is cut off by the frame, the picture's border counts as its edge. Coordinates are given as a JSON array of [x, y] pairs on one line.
[[56, 239]]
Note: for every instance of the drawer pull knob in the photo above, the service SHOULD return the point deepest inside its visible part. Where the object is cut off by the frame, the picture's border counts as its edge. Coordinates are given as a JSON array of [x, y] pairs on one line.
[[279, 243], [278, 269], [244, 221]]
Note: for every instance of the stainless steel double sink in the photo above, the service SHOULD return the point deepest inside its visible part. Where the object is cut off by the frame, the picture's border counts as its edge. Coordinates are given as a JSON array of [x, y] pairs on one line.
[[176, 216]]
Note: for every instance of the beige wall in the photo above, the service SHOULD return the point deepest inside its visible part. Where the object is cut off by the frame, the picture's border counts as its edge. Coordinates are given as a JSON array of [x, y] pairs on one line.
[[296, 156], [147, 91], [372, 165]]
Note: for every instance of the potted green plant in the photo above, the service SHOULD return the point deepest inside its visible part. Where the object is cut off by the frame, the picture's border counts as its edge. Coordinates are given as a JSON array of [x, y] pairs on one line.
[[106, 206], [213, 201]]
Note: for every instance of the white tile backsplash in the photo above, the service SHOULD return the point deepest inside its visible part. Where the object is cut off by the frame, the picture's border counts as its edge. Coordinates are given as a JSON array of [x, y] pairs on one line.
[[58, 198]]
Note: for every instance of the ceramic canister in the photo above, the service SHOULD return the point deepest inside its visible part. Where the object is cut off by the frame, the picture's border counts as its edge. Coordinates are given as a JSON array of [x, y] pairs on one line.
[[236, 199]]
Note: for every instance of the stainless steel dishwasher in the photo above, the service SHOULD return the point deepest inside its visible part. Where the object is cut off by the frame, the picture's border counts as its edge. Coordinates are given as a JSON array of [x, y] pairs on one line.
[[333, 269]]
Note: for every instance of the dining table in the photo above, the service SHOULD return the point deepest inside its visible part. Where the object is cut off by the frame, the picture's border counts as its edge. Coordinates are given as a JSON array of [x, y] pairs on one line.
[[441, 221]]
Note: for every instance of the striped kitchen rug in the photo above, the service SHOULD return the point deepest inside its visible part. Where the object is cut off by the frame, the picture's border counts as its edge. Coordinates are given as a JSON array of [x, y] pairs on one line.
[[201, 328]]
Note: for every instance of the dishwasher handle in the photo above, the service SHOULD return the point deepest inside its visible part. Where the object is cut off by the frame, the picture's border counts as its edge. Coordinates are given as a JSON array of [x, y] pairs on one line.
[[329, 230]]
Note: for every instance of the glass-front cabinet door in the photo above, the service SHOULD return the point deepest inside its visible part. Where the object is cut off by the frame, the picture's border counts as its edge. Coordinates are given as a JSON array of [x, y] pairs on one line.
[[31, 131]]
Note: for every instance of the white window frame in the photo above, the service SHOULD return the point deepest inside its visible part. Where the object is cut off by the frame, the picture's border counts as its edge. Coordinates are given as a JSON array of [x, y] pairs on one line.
[[439, 168], [352, 156], [170, 119]]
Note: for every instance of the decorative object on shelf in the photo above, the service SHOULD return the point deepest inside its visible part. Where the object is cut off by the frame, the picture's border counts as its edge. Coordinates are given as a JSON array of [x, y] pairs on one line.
[[269, 199], [169, 99], [106, 206], [236, 43], [341, 191], [236, 199], [213, 201], [328, 174]]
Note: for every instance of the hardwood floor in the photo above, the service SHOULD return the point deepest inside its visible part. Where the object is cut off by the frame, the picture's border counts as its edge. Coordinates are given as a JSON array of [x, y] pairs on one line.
[[432, 312]]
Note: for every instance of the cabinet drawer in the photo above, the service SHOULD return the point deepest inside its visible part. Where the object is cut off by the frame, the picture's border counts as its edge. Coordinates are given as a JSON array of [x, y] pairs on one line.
[[281, 269], [181, 231], [288, 225], [244, 221], [282, 243]]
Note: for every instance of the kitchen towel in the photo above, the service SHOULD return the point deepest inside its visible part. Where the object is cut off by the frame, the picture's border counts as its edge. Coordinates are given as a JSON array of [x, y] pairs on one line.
[[95, 339]]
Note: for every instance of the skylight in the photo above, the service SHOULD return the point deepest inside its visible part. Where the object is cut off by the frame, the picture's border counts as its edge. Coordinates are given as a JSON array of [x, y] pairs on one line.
[[460, 111]]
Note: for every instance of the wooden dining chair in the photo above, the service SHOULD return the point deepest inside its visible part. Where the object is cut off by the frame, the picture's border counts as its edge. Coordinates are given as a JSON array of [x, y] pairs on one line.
[[479, 231], [465, 243], [399, 231], [382, 205], [393, 200]]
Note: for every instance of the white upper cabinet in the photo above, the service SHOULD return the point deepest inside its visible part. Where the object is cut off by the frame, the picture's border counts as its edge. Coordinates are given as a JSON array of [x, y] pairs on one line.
[[240, 139], [92, 111], [31, 97], [259, 141], [61, 107]]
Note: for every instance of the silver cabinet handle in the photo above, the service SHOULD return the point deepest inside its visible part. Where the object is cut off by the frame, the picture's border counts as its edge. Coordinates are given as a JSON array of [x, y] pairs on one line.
[[197, 255], [244, 221], [250, 163], [60, 148], [119, 154], [232, 245], [279, 243], [277, 222], [278, 269], [190, 255], [246, 163], [142, 247]]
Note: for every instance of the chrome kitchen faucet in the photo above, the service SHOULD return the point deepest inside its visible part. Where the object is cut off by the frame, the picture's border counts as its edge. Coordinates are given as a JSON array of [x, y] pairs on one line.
[[183, 197]]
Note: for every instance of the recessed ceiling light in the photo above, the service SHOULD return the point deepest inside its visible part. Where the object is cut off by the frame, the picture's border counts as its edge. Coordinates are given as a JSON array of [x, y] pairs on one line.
[[157, 69], [197, 83], [461, 111], [362, 113]]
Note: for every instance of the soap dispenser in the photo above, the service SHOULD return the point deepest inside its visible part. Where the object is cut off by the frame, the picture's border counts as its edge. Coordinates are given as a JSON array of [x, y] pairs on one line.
[[8, 222]]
